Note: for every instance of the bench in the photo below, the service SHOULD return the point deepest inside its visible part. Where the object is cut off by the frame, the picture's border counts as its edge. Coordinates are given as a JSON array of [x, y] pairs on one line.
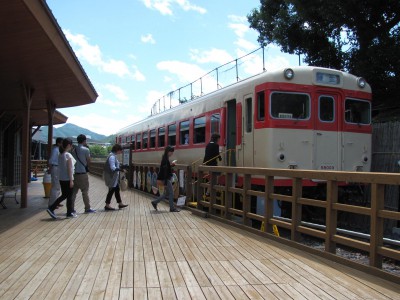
[[8, 192]]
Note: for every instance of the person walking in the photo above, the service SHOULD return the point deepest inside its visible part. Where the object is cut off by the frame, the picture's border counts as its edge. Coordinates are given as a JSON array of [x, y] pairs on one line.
[[53, 170], [165, 175], [111, 178], [212, 154], [66, 163], [81, 154]]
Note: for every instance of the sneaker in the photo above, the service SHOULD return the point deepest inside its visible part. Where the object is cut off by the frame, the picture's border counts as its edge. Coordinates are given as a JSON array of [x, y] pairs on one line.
[[90, 210], [72, 215], [51, 213], [122, 205], [108, 208], [154, 205], [174, 210]]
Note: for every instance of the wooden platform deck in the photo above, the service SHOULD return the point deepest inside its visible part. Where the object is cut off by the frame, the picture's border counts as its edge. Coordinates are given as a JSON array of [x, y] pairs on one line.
[[137, 253]]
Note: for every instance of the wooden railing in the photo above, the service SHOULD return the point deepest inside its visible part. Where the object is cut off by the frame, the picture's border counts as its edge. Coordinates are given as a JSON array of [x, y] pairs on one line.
[[377, 213], [38, 167]]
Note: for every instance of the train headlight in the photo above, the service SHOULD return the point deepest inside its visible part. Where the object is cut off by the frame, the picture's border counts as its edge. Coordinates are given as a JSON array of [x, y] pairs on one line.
[[365, 159], [288, 73], [361, 82], [281, 156]]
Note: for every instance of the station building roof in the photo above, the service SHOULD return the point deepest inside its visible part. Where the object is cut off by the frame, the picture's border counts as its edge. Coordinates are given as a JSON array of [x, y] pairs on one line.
[[35, 53]]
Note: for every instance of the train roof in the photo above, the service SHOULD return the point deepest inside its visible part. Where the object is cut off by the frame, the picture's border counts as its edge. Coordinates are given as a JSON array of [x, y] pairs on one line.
[[301, 76]]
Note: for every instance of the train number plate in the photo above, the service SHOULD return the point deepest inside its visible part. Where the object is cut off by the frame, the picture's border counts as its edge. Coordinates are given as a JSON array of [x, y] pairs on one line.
[[327, 167]]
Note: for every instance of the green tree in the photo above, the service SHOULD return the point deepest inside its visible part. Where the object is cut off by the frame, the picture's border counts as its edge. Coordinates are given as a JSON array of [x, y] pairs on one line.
[[97, 151], [361, 37]]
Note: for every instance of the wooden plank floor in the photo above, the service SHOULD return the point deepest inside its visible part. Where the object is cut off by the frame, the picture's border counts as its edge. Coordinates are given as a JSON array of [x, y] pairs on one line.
[[137, 253]]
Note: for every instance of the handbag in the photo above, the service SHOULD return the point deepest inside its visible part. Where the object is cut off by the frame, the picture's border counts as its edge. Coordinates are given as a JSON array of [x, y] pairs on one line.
[[123, 183]]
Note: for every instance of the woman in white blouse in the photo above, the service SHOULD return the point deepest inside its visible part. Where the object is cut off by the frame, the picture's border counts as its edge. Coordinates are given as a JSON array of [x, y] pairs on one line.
[[66, 168]]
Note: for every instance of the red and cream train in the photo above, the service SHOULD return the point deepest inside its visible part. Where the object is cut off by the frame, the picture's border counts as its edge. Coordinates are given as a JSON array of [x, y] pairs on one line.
[[299, 118]]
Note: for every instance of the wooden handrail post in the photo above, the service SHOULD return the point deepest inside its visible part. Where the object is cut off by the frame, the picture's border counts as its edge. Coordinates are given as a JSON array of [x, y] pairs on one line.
[[200, 175], [331, 216], [377, 204], [189, 175], [269, 203], [246, 199], [213, 193], [228, 195], [296, 209]]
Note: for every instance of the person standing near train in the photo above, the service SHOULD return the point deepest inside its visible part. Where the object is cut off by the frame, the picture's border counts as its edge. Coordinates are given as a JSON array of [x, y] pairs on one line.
[[212, 153], [165, 175], [66, 168], [111, 177]]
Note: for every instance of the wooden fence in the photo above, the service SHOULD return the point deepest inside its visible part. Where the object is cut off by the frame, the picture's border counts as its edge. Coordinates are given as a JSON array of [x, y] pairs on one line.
[[332, 206]]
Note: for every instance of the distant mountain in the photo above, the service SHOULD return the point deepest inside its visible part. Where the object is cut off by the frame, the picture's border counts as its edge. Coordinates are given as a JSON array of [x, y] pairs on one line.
[[70, 130]]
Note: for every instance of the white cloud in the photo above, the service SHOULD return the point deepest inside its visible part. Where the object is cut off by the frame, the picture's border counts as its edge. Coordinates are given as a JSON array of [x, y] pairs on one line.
[[165, 6], [100, 124], [117, 91], [240, 29], [148, 39], [211, 56], [92, 54], [245, 44], [106, 101], [137, 75], [186, 72]]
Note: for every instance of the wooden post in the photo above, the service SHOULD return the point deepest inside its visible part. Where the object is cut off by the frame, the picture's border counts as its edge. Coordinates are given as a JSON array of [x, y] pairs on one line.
[[26, 133], [246, 199], [199, 198], [51, 108], [189, 175], [296, 209], [269, 203], [213, 193], [331, 216], [377, 204], [228, 196]]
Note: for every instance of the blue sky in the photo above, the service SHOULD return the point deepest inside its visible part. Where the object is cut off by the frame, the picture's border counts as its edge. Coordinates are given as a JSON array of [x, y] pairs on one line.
[[136, 51]]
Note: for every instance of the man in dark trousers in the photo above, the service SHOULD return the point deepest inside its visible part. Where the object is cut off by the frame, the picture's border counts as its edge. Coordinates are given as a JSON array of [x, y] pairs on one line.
[[212, 152]]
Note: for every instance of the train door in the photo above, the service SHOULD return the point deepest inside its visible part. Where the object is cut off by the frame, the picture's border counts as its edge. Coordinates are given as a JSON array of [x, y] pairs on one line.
[[231, 133], [327, 147], [248, 132]]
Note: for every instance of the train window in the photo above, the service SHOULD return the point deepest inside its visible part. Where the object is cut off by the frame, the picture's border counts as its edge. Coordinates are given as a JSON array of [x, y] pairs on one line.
[[326, 109], [249, 114], [260, 106], [290, 106], [161, 137], [215, 123], [172, 135], [184, 133], [139, 141], [145, 140], [152, 138], [357, 111], [199, 134], [133, 142]]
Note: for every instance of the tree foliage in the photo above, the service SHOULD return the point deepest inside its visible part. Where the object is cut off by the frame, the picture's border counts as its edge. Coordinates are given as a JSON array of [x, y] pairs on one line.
[[361, 37]]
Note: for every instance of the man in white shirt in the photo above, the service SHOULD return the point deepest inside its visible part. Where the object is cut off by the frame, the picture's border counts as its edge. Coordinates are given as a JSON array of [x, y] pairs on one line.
[[53, 170]]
